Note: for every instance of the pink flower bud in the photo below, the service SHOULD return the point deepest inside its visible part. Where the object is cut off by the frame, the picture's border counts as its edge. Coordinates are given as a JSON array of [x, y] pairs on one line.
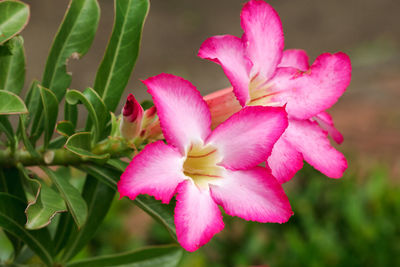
[[132, 116], [222, 105]]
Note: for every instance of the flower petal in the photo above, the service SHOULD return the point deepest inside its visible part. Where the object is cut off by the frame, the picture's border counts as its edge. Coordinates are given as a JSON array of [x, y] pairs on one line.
[[197, 216], [156, 170], [309, 139], [264, 36], [295, 58], [222, 105], [247, 137], [254, 195], [311, 92], [325, 121], [184, 116], [284, 161], [229, 52]]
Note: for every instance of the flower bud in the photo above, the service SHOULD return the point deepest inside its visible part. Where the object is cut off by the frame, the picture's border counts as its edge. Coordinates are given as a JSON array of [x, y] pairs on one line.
[[222, 105], [132, 116]]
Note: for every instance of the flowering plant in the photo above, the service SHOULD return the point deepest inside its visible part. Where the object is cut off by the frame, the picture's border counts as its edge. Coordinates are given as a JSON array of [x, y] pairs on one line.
[[233, 148]]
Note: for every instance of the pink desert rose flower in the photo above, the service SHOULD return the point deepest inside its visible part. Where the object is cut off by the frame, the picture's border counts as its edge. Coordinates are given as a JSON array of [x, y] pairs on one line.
[[263, 75], [132, 116], [208, 168]]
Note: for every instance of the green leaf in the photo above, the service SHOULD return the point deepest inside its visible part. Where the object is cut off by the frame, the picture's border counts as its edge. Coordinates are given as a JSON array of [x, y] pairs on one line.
[[13, 18], [95, 106], [99, 198], [12, 67], [33, 103], [50, 108], [80, 144], [162, 256], [71, 113], [160, 212], [76, 204], [73, 39], [10, 103], [122, 50], [65, 128], [44, 206], [6, 127], [12, 219]]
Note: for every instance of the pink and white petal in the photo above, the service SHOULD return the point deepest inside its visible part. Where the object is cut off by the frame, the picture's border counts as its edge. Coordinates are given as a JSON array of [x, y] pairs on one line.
[[184, 115], [284, 161], [295, 58], [253, 194], [156, 170], [197, 216], [311, 92], [325, 121], [229, 52], [247, 137], [309, 139], [264, 36]]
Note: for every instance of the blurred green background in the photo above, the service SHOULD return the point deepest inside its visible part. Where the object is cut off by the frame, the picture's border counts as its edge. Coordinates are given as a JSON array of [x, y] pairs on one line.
[[354, 221]]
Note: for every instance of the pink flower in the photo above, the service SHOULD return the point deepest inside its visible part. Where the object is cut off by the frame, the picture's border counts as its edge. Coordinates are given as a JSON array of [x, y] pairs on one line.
[[208, 168], [262, 74], [132, 115]]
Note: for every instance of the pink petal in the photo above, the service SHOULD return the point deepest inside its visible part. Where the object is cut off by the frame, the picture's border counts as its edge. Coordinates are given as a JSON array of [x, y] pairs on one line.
[[254, 195], [156, 170], [222, 105], [184, 116], [264, 36], [311, 92], [197, 216], [325, 121], [284, 161], [229, 52], [309, 139], [295, 58], [247, 137]]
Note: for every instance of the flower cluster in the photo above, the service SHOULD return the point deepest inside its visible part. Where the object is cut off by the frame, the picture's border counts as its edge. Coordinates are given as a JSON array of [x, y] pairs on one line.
[[275, 112]]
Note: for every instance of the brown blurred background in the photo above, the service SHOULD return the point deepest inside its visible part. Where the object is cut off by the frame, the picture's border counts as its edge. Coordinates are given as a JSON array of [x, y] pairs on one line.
[[368, 30]]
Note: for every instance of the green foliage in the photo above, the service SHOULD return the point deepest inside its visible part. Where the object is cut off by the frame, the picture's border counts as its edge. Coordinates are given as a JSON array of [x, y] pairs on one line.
[[13, 18], [122, 50], [12, 66], [10, 104], [50, 111]]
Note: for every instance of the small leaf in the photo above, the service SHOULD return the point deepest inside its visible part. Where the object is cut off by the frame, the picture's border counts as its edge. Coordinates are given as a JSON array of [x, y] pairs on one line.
[[10, 103], [71, 113], [6, 127], [122, 50], [76, 204], [95, 106], [12, 219], [65, 128], [165, 256], [13, 18], [80, 144], [12, 67], [45, 205], [50, 108], [73, 38], [99, 198]]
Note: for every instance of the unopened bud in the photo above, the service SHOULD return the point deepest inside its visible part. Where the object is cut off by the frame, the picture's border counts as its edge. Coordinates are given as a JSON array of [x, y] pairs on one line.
[[132, 116]]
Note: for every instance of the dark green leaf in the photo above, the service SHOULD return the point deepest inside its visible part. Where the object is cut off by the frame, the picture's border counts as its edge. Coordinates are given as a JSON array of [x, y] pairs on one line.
[[73, 39], [95, 106], [34, 104], [80, 144], [161, 256], [50, 109], [13, 18], [76, 204], [99, 198], [12, 67], [10, 103], [12, 219], [71, 113], [65, 128], [122, 50], [6, 127]]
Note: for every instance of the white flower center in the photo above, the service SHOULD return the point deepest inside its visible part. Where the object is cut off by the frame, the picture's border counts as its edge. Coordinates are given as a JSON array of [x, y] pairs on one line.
[[201, 165]]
